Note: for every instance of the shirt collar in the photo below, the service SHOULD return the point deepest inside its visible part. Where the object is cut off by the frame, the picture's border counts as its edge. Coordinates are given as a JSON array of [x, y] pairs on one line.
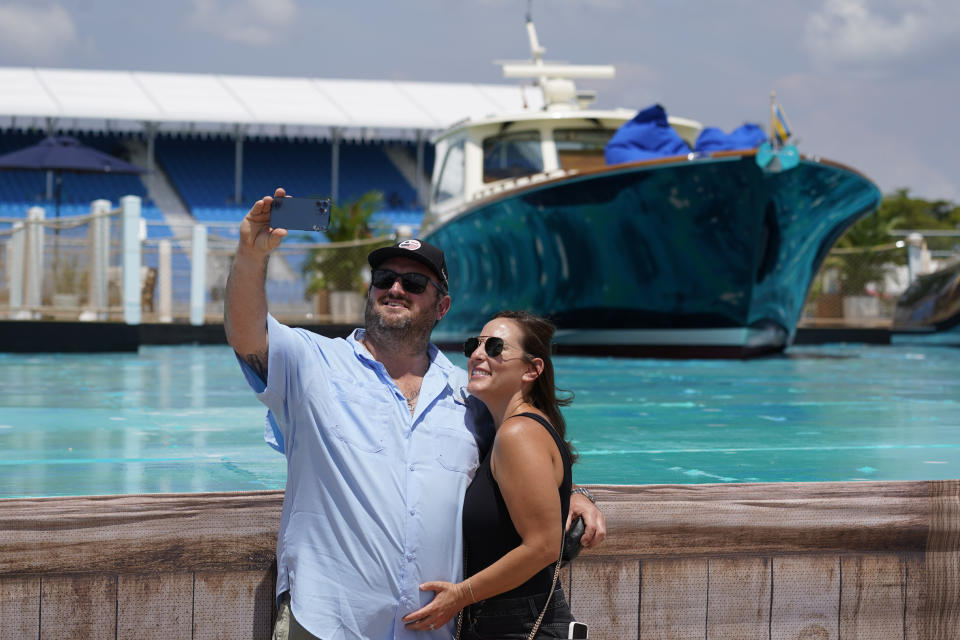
[[437, 358]]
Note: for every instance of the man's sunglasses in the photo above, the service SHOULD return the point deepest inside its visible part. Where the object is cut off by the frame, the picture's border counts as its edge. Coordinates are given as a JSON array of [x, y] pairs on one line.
[[491, 344], [412, 282]]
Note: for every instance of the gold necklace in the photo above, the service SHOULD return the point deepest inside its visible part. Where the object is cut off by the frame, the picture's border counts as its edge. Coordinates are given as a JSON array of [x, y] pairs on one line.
[[412, 400]]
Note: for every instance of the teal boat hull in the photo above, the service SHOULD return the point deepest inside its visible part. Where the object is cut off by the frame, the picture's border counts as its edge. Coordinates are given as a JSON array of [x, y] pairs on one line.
[[710, 257]]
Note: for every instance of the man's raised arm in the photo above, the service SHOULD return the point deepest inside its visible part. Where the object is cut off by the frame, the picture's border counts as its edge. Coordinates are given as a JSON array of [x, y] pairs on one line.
[[245, 306]]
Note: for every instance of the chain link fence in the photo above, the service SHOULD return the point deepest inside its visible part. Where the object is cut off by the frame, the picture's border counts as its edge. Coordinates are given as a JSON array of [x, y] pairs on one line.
[[70, 268], [860, 286], [308, 282], [48, 267]]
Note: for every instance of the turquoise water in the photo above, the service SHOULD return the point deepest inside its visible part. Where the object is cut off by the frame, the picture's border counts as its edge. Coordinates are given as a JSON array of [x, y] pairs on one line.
[[172, 419]]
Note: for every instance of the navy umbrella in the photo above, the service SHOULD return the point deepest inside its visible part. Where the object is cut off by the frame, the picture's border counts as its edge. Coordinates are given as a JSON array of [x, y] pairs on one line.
[[63, 153]]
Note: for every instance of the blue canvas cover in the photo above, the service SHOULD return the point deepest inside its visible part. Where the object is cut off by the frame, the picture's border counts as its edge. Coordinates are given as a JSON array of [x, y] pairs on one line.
[[747, 136], [647, 136]]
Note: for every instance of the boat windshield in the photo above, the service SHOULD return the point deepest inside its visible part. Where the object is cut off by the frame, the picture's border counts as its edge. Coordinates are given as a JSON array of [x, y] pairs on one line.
[[511, 155], [450, 184], [581, 149]]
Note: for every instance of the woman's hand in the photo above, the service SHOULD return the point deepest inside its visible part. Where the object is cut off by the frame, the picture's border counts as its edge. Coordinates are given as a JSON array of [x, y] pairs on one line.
[[593, 519], [449, 600]]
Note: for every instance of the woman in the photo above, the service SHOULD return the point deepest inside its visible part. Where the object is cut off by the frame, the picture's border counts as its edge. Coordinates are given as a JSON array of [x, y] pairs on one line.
[[516, 506]]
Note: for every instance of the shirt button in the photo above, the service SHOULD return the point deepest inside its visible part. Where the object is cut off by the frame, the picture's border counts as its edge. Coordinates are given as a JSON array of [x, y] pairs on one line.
[[412, 468], [413, 512], [411, 557]]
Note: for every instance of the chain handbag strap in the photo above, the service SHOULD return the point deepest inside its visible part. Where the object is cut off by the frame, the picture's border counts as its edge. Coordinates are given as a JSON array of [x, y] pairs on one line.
[[553, 585]]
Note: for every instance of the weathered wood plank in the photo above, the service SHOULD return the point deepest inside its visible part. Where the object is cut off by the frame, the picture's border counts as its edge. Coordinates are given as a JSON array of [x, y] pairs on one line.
[[181, 532], [232, 605], [798, 525], [673, 599], [156, 606], [942, 604], [872, 597], [604, 595], [759, 519], [19, 608], [139, 534], [738, 598], [916, 596], [806, 598], [78, 607]]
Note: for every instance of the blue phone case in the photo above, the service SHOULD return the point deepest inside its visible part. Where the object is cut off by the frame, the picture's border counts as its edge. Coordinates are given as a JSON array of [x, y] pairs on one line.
[[303, 214]]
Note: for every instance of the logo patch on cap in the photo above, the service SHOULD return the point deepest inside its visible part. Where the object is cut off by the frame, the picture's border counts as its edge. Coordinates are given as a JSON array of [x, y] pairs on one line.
[[412, 245]]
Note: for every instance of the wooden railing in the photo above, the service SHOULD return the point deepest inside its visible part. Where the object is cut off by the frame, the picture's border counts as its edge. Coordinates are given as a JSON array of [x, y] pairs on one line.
[[871, 560]]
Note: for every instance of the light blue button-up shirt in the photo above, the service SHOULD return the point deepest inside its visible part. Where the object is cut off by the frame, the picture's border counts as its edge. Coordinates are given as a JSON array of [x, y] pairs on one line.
[[374, 496]]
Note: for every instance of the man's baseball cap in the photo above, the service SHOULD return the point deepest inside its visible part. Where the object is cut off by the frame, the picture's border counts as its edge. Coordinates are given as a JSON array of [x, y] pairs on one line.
[[414, 249]]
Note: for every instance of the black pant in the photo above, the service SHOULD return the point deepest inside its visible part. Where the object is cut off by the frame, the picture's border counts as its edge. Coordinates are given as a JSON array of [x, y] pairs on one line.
[[513, 618]]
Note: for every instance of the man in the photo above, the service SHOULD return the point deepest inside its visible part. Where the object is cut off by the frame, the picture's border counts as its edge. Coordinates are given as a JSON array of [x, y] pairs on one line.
[[381, 441]]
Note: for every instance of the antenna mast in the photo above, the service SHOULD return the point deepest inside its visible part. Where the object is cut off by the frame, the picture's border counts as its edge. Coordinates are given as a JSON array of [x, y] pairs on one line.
[[555, 80]]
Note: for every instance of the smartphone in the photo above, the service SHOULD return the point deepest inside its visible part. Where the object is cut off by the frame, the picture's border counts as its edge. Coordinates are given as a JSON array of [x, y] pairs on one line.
[[303, 214], [577, 630]]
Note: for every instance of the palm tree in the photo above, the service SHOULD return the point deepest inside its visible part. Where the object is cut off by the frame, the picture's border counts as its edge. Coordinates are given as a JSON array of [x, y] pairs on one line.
[[340, 268], [858, 269]]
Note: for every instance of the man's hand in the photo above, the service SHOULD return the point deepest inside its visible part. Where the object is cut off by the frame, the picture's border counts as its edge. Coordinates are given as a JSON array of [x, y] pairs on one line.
[[256, 234], [593, 519]]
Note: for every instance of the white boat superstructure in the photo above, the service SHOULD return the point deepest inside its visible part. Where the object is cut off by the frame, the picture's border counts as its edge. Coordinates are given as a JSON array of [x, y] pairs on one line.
[[476, 159]]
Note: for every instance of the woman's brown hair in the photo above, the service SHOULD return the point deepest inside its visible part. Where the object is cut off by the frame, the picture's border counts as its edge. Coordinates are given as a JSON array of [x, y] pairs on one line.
[[537, 334]]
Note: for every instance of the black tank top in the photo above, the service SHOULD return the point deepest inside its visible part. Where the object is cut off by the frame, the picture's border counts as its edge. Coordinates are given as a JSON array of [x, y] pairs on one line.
[[488, 531]]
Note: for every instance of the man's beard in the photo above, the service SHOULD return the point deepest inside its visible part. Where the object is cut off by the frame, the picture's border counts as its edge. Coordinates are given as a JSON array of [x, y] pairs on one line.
[[404, 334]]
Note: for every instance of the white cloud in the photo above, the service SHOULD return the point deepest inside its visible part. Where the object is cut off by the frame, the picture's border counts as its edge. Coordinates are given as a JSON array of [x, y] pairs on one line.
[[35, 34], [254, 22], [862, 31]]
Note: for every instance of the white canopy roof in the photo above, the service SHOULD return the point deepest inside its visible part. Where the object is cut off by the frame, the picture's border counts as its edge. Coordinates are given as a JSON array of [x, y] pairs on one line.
[[141, 96]]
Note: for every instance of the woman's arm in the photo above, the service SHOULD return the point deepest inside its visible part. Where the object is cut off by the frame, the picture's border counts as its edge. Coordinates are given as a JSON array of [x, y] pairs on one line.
[[528, 469]]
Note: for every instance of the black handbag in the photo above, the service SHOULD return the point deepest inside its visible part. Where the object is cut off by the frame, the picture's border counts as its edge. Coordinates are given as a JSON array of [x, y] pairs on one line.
[[571, 541]]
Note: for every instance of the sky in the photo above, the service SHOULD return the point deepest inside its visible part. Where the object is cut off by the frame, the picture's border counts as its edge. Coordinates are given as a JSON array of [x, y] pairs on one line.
[[872, 84]]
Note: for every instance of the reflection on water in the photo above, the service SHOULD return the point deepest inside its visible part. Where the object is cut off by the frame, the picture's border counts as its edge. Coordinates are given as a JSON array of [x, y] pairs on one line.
[[181, 419]]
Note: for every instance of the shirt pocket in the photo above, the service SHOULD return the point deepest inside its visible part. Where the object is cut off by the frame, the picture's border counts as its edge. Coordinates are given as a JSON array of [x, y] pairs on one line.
[[457, 451], [361, 417]]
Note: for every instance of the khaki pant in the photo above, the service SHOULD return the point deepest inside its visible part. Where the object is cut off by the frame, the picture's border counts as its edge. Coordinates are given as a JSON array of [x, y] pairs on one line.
[[287, 627]]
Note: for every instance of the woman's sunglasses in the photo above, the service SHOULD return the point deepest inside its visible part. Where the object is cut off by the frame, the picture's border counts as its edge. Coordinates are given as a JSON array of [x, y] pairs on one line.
[[491, 344], [411, 282]]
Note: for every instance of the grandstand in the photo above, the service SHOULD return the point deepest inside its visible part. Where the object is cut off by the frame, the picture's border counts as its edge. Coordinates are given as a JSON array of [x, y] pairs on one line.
[[214, 144], [201, 171]]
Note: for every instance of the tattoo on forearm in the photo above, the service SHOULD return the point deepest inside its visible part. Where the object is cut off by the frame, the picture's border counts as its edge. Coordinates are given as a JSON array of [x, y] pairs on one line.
[[258, 362]]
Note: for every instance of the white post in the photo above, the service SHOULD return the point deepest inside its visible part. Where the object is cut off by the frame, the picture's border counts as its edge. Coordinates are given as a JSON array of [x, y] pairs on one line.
[[99, 258], [916, 247], [34, 261], [15, 258], [131, 259], [198, 276], [164, 281]]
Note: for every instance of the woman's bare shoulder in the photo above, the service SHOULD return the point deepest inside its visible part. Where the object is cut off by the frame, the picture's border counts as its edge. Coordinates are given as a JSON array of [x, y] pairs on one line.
[[522, 431]]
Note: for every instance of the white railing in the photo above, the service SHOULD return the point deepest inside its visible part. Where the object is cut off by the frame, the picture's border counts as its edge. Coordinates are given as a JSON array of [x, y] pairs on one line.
[[112, 265]]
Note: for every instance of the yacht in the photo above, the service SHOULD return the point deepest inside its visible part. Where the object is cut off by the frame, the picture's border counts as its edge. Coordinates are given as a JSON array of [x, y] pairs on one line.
[[681, 250]]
